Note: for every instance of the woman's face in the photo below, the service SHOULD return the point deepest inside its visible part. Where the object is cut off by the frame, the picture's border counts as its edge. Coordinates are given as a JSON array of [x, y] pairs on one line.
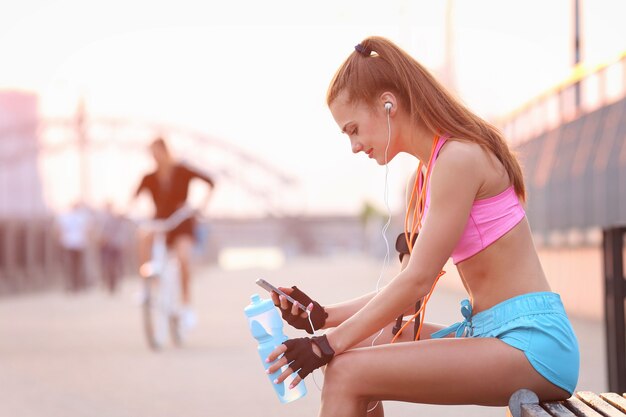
[[366, 127], [159, 154]]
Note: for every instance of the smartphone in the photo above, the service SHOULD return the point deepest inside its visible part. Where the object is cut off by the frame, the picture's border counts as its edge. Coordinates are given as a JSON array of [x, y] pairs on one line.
[[269, 287]]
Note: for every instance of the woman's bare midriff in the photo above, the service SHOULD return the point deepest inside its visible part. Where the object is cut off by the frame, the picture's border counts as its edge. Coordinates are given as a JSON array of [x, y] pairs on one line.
[[507, 268]]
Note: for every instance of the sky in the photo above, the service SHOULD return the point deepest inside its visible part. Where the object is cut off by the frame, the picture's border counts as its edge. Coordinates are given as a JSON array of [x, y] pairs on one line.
[[254, 75]]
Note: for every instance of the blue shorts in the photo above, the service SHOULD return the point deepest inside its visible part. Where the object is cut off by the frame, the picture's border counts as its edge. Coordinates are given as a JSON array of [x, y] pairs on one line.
[[534, 323]]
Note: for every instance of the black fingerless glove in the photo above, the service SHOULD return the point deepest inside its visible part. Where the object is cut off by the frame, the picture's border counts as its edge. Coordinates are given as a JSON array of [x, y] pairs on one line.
[[318, 314], [402, 247], [301, 357]]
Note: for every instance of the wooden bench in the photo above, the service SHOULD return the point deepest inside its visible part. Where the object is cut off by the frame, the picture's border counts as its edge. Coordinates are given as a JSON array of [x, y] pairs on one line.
[[524, 403]]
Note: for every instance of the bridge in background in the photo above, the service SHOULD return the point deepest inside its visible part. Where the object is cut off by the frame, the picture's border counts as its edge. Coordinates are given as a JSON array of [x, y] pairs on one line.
[[83, 154]]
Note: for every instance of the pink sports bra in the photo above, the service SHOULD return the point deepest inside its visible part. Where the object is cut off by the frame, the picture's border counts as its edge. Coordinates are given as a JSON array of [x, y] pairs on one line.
[[489, 219]]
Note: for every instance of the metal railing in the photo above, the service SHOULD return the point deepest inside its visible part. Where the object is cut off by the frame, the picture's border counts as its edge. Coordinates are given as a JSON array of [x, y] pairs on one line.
[[587, 89]]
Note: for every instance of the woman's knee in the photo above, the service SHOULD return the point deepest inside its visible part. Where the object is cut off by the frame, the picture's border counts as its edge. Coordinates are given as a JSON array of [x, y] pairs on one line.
[[343, 384], [184, 246], [340, 374], [337, 371]]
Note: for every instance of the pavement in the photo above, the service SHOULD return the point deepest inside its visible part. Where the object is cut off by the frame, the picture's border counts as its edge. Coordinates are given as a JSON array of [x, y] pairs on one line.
[[65, 355]]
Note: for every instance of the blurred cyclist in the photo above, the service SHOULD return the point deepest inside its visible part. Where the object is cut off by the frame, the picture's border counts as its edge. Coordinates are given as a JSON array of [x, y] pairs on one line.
[[168, 186]]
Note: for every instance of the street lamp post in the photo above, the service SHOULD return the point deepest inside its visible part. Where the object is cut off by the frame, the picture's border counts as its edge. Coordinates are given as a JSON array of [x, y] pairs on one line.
[[81, 138]]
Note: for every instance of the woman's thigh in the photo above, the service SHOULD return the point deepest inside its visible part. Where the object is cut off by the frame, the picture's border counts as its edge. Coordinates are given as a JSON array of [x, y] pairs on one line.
[[385, 337], [482, 371], [183, 245]]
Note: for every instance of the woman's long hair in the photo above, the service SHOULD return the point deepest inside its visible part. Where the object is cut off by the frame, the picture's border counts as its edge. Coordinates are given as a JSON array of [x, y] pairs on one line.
[[379, 65]]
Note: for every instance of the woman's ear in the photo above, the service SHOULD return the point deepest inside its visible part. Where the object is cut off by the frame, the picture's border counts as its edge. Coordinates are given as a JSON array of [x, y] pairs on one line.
[[388, 102]]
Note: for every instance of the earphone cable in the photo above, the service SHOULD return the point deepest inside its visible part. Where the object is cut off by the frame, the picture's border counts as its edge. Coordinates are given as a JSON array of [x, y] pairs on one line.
[[385, 227]]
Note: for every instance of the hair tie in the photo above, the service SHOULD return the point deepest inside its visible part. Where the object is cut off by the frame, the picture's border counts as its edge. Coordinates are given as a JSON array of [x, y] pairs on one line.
[[363, 50]]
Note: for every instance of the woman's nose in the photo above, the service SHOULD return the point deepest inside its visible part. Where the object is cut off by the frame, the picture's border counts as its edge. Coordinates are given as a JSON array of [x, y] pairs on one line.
[[356, 147]]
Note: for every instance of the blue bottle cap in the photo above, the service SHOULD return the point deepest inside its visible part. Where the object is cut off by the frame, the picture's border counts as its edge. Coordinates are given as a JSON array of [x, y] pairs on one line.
[[258, 305]]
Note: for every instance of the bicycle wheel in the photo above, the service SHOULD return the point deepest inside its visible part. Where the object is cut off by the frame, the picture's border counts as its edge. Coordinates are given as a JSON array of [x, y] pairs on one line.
[[155, 313], [171, 288]]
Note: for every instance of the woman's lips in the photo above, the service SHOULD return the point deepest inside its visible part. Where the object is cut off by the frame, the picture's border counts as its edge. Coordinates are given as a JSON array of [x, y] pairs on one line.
[[370, 153]]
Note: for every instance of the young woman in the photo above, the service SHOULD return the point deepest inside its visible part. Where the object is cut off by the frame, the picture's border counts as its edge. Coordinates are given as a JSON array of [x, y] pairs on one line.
[[466, 204]]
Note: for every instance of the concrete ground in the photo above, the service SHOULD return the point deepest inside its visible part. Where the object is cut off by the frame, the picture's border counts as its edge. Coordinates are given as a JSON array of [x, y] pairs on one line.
[[84, 355]]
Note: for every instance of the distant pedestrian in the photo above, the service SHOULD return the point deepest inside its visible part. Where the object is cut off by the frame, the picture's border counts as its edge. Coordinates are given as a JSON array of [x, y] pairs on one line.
[[73, 231], [112, 232]]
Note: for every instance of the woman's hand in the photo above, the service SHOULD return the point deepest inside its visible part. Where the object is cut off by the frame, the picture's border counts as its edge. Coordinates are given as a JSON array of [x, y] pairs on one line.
[[294, 316], [303, 355]]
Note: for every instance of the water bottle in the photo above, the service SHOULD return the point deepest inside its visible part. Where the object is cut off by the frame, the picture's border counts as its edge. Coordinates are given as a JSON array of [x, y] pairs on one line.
[[266, 326]]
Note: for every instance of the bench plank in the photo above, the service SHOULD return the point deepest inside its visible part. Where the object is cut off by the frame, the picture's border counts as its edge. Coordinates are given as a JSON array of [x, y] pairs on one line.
[[519, 397], [557, 409], [615, 400], [580, 408], [599, 404], [533, 410], [525, 403]]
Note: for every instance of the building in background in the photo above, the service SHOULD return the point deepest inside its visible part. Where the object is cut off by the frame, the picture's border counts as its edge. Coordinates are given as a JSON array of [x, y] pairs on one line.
[[21, 192]]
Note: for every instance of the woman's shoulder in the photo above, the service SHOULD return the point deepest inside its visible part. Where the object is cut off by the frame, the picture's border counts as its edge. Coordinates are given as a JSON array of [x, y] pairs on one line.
[[184, 166], [474, 160], [462, 164], [458, 154], [150, 176], [458, 148]]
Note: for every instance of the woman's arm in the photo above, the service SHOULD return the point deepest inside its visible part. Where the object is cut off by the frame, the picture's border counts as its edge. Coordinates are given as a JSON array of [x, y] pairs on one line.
[[130, 203], [454, 184], [340, 312], [192, 173]]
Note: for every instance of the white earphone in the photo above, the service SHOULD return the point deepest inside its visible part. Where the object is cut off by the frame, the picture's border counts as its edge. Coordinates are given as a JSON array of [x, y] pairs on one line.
[[388, 106]]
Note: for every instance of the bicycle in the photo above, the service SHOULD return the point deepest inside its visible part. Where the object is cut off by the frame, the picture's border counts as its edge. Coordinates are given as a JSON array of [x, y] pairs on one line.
[[161, 307]]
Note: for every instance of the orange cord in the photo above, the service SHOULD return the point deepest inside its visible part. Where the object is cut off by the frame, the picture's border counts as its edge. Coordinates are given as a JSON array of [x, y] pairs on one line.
[[415, 226], [418, 211], [422, 309]]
